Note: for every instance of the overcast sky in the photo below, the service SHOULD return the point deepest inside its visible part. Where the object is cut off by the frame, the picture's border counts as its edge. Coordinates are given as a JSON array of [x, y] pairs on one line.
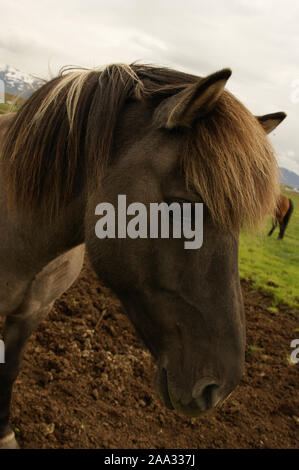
[[257, 39]]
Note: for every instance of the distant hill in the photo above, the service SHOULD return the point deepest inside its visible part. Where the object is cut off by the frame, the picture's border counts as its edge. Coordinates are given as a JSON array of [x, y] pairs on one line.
[[289, 177], [17, 82]]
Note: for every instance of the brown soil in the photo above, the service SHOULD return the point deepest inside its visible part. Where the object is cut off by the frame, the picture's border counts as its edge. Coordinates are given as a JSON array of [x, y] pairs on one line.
[[87, 382]]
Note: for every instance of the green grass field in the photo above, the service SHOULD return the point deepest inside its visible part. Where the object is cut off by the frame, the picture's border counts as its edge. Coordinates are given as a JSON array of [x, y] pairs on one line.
[[272, 264], [7, 108], [4, 108]]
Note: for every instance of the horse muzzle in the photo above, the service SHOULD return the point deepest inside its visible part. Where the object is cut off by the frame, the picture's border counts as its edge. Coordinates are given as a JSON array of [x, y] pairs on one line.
[[204, 396]]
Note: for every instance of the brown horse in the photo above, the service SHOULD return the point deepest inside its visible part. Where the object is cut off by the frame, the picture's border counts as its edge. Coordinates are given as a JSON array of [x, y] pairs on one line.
[[153, 135], [282, 215]]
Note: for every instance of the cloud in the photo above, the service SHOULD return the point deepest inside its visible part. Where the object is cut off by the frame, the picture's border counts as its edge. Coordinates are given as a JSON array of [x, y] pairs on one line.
[[258, 39], [287, 161]]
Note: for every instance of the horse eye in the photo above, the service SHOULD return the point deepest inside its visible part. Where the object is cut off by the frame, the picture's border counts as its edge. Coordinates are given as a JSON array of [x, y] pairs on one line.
[[178, 200], [182, 201]]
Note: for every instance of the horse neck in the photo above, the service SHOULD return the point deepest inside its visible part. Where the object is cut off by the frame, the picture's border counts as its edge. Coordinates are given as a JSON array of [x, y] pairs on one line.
[[35, 243], [67, 231], [34, 240]]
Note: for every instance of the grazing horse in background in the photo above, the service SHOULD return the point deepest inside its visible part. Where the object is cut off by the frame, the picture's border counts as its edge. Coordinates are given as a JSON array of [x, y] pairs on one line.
[[155, 135], [282, 215]]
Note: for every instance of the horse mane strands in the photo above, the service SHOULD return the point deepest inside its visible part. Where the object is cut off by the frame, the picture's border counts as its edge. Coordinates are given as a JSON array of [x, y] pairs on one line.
[[74, 80], [45, 145], [227, 157], [230, 162]]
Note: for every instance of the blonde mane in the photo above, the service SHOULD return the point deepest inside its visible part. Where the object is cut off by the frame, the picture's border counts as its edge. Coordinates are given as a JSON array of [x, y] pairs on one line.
[[230, 162], [63, 135]]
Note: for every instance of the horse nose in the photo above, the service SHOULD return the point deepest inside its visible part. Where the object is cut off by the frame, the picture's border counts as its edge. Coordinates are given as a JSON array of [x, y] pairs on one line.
[[206, 394]]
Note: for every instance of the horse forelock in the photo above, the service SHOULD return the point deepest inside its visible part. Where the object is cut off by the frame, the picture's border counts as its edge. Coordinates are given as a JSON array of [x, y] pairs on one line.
[[230, 162]]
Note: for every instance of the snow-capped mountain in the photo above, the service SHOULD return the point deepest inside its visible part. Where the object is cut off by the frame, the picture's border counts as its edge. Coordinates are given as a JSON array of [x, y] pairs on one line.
[[17, 82]]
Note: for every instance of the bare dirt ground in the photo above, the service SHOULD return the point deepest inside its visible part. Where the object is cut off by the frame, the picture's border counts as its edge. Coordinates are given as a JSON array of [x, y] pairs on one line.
[[87, 382]]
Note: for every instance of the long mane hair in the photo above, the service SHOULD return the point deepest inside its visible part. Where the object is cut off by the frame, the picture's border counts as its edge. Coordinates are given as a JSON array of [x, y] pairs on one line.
[[64, 134]]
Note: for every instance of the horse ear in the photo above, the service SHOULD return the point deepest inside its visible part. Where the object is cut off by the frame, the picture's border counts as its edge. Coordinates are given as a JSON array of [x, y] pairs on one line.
[[270, 121], [192, 102]]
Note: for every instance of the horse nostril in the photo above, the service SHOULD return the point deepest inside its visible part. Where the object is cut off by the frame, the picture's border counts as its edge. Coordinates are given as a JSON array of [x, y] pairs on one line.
[[210, 395], [205, 394]]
